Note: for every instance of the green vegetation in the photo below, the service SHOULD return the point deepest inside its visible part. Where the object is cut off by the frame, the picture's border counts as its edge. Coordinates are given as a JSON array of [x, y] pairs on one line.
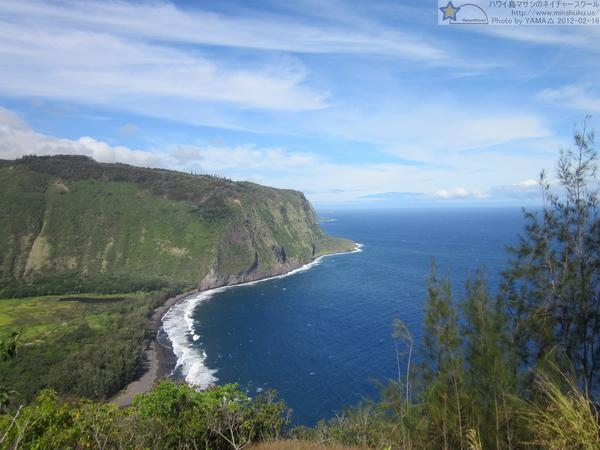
[[562, 417], [85, 346], [518, 369], [300, 445], [73, 225], [8, 350], [170, 416], [552, 285], [514, 370]]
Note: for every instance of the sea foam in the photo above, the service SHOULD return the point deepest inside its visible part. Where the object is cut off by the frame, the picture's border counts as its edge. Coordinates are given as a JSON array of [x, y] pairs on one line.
[[178, 324]]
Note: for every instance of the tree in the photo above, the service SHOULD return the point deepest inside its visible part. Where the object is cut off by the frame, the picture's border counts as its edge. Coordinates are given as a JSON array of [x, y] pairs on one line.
[[8, 350], [442, 369], [552, 287], [489, 380]]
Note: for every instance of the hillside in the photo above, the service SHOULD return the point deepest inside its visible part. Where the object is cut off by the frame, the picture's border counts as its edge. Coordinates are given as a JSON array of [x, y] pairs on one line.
[[71, 224]]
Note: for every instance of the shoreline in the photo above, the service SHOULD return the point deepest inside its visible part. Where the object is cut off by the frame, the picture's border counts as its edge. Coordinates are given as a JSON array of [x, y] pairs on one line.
[[159, 360]]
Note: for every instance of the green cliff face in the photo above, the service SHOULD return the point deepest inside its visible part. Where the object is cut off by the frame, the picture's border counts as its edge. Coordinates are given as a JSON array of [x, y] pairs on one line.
[[69, 223]]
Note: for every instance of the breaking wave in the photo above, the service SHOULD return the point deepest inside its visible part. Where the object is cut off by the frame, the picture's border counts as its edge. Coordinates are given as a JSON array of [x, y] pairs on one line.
[[178, 324]]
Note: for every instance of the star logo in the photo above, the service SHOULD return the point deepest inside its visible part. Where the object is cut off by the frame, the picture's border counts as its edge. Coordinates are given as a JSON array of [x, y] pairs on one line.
[[449, 11]]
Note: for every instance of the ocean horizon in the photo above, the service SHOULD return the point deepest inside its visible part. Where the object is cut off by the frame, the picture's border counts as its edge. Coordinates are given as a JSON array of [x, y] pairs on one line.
[[321, 335]]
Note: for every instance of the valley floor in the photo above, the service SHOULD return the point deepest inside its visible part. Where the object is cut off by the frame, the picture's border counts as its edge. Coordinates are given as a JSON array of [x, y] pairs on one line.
[[156, 358]]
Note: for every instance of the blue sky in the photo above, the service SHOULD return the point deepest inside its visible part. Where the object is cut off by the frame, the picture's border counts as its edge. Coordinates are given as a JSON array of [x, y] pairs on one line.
[[357, 104]]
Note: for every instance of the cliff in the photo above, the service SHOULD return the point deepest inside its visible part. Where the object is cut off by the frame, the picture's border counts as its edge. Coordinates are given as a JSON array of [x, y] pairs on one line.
[[72, 224]]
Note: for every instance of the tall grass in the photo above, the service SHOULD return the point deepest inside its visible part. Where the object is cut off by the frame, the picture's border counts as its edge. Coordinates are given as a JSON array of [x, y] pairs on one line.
[[300, 445], [564, 417]]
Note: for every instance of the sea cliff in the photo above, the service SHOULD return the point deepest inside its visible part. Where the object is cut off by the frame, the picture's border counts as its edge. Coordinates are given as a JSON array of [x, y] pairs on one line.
[[73, 225]]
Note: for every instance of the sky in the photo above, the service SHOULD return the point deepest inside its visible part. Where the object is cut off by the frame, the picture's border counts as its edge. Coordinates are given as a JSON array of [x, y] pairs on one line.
[[357, 104]]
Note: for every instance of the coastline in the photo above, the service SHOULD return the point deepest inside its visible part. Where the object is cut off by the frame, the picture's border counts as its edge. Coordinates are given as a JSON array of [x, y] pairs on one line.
[[159, 360]]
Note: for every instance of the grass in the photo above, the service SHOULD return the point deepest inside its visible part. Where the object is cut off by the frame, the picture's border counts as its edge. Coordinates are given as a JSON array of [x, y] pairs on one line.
[[39, 318], [565, 418]]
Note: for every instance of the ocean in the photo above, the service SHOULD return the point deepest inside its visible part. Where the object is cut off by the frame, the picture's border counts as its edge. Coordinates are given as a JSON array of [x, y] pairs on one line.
[[322, 335]]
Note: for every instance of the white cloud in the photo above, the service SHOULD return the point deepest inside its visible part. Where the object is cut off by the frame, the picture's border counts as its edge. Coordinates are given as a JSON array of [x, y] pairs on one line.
[[527, 190], [9, 120], [457, 193], [325, 182], [246, 157], [439, 133], [99, 68], [336, 32], [17, 139], [157, 59], [528, 183], [132, 56], [571, 96]]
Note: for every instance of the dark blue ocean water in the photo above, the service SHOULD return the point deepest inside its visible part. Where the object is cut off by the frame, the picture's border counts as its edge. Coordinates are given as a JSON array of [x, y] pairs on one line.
[[321, 336]]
